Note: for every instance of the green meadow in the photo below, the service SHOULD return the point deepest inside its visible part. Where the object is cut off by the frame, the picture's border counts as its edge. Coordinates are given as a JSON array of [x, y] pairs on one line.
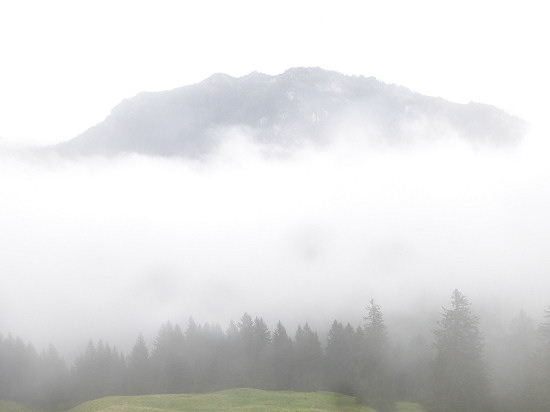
[[16, 407], [250, 400]]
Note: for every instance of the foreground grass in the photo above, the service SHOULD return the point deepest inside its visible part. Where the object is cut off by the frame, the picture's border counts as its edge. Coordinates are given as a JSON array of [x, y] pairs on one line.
[[407, 407], [16, 407], [250, 400]]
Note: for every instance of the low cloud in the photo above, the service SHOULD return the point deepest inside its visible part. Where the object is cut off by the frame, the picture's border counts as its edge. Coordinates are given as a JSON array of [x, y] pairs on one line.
[[109, 248]]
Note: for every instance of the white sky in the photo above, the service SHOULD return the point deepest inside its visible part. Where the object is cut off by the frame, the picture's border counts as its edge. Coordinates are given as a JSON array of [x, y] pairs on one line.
[[65, 64]]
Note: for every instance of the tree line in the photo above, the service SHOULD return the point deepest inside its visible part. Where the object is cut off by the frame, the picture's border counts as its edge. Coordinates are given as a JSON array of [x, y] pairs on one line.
[[453, 373]]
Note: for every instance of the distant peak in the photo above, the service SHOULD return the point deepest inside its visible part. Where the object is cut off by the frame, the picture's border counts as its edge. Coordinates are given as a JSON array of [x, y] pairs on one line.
[[220, 78], [257, 75], [305, 70]]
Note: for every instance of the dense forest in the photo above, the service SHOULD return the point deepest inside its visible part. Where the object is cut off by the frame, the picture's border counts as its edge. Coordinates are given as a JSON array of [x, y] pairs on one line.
[[453, 372]]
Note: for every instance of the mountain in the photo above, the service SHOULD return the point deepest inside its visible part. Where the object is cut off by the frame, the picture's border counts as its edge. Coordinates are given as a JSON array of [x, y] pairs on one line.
[[298, 106]]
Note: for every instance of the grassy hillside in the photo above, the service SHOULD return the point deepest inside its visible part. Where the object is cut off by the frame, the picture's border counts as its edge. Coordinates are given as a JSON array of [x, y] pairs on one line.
[[16, 407], [250, 400]]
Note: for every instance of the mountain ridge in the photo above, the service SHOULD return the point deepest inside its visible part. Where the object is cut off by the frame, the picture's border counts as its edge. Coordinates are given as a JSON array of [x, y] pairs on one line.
[[300, 105]]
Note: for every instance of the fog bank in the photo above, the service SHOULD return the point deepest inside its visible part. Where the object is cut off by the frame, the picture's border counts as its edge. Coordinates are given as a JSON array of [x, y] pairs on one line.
[[109, 248]]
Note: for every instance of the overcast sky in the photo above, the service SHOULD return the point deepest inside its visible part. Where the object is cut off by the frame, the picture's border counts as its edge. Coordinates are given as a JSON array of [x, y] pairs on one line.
[[110, 248], [65, 64]]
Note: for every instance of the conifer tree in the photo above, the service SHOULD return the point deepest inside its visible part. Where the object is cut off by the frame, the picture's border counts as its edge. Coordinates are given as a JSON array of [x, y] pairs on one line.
[[340, 358], [308, 355], [512, 361], [18, 364], [195, 354], [537, 398], [459, 375], [167, 360], [374, 380], [281, 359], [53, 377], [246, 349], [139, 369], [260, 354], [232, 370]]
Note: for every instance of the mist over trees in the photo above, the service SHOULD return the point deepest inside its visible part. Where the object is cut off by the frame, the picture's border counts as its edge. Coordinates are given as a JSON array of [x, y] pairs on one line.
[[451, 373]]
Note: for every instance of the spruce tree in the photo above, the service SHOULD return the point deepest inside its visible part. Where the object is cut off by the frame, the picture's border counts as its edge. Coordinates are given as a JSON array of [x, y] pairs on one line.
[[167, 361], [374, 377], [139, 369], [459, 375], [281, 359], [246, 349], [340, 358], [512, 364], [260, 354], [537, 397], [53, 376], [308, 357]]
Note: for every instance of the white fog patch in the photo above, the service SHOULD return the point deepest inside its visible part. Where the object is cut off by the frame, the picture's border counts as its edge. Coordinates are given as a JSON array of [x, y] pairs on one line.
[[109, 248]]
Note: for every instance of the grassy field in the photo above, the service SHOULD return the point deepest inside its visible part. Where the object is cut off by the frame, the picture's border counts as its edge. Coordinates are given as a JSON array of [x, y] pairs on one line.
[[16, 407], [250, 400]]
